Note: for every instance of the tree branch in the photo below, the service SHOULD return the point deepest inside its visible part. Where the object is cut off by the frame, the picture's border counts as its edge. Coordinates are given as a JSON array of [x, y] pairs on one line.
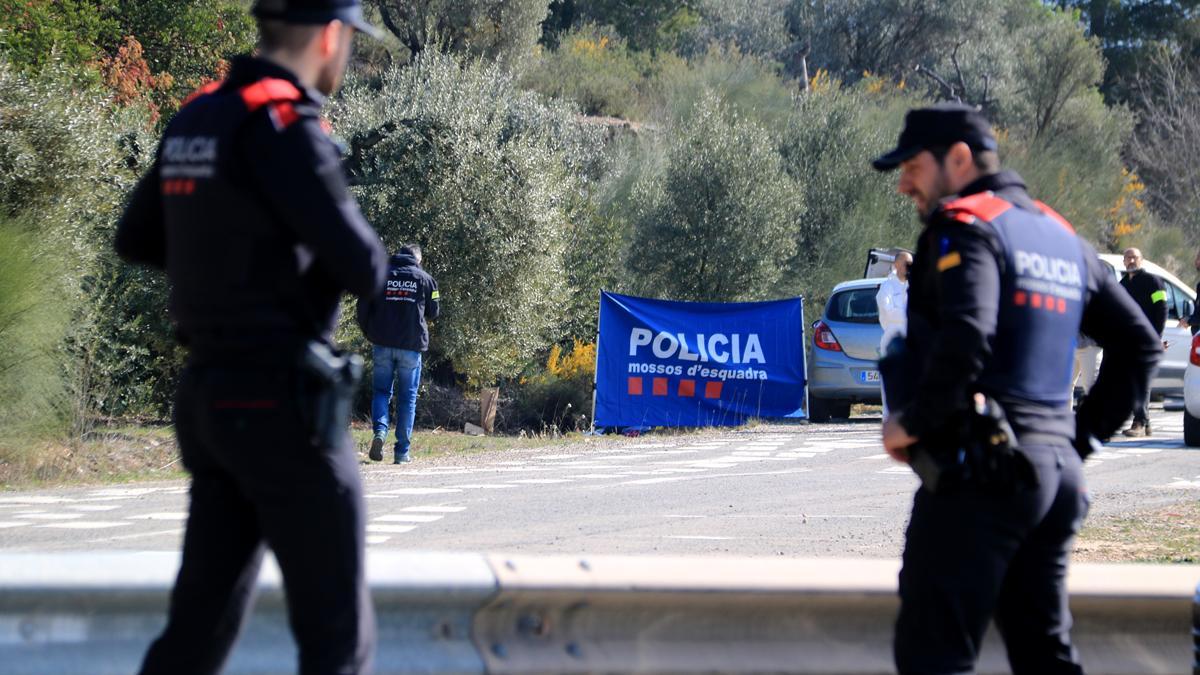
[[945, 85], [962, 82]]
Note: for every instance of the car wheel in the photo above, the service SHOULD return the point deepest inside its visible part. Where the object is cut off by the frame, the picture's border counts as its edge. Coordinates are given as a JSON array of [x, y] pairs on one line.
[[823, 410], [818, 410], [1191, 430]]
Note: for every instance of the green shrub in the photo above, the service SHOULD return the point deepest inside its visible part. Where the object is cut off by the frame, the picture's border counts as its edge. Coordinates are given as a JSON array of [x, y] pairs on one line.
[[68, 157], [593, 68], [32, 323], [560, 396]]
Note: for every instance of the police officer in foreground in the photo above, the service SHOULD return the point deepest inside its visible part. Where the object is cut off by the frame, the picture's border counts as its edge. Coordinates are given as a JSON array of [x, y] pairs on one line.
[[247, 210], [999, 288]]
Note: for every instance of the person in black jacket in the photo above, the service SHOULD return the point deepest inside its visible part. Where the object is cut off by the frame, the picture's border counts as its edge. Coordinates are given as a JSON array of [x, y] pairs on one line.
[[1192, 321], [394, 321], [247, 210], [999, 289], [1150, 295]]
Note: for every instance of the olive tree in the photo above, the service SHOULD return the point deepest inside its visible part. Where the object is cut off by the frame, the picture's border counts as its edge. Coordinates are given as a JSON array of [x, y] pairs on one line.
[[716, 222], [487, 179]]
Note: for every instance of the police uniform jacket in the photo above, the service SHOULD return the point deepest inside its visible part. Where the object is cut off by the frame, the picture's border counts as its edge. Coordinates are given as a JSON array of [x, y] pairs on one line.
[[395, 317], [247, 209], [1150, 295], [998, 290]]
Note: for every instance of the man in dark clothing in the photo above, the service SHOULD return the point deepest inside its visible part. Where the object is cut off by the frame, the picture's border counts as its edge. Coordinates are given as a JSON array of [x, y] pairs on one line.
[[1150, 295], [1192, 321], [247, 210], [999, 288], [394, 321]]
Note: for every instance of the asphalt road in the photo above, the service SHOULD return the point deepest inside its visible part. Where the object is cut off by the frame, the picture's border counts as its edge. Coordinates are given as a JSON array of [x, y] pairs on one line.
[[813, 490]]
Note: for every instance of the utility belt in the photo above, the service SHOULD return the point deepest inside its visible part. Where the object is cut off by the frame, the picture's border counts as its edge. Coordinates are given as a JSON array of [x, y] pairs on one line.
[[334, 376], [977, 451], [324, 380]]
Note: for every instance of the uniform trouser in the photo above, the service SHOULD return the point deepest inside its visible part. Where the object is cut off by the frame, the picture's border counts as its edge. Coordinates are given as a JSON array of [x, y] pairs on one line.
[[969, 557], [259, 481]]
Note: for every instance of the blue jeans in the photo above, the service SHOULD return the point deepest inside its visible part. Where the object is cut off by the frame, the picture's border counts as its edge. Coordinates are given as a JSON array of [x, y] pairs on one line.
[[398, 370]]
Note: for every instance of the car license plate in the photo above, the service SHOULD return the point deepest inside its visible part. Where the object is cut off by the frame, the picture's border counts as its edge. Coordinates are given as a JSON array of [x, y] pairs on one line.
[[868, 376]]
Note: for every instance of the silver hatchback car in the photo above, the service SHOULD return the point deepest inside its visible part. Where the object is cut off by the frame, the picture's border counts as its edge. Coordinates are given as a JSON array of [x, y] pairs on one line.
[[844, 368]]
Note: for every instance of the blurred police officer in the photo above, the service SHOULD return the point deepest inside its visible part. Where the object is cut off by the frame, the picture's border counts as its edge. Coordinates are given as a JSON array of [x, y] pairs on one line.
[[246, 208], [999, 288]]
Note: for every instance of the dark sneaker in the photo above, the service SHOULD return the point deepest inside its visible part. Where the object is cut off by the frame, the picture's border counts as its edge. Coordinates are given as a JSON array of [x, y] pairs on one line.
[[1137, 430], [402, 459], [1147, 428], [376, 453]]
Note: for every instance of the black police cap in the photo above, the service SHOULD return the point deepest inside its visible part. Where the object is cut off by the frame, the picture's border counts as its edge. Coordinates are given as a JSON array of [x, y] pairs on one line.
[[315, 12], [940, 125]]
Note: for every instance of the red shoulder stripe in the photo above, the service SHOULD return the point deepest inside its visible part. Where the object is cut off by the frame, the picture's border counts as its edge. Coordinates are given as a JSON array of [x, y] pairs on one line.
[[1054, 215], [202, 91], [984, 206], [270, 90], [283, 115]]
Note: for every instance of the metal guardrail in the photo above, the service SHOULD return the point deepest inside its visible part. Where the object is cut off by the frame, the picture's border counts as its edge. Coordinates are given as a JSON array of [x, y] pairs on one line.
[[471, 613], [1196, 632]]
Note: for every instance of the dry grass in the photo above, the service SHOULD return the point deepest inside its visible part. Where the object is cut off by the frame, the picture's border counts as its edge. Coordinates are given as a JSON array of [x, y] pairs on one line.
[[122, 454], [1168, 534], [105, 455]]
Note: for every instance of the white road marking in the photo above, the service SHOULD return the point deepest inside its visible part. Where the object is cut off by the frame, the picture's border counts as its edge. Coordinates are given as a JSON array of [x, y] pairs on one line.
[[557, 456], [7, 525], [93, 507], [882, 455], [675, 479], [435, 509], [125, 492], [32, 500], [391, 529], [542, 481], [139, 535], [408, 518], [173, 515], [1180, 483], [416, 491], [377, 539], [484, 486], [85, 525], [1140, 451], [600, 476], [897, 470], [49, 516]]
